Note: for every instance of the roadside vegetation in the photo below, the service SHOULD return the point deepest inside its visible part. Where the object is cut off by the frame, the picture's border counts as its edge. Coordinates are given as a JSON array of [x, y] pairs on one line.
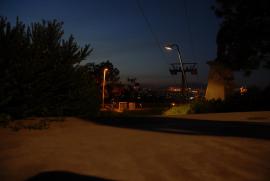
[[254, 100], [41, 72]]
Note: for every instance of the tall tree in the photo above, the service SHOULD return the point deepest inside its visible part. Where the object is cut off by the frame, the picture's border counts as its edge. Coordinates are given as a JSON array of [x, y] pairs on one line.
[[40, 72], [243, 39]]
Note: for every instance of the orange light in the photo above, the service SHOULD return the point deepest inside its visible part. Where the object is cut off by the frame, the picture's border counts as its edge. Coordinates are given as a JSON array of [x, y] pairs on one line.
[[243, 90]]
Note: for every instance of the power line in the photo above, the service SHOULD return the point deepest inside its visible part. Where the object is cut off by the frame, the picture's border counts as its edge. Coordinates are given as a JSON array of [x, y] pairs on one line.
[[189, 29], [190, 34], [157, 41]]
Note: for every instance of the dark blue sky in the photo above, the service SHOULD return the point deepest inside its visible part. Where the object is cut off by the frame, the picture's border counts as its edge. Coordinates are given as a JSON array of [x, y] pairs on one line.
[[118, 32]]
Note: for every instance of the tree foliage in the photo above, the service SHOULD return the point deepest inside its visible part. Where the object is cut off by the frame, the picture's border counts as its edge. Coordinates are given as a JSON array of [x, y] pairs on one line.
[[40, 72], [96, 71], [132, 91], [112, 75], [243, 39]]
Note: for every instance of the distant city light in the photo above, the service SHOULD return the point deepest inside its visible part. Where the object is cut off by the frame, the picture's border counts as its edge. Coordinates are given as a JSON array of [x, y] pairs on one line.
[[243, 90]]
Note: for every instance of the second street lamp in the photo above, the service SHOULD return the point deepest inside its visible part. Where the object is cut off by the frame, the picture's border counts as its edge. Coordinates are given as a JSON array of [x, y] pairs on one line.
[[171, 47], [103, 87]]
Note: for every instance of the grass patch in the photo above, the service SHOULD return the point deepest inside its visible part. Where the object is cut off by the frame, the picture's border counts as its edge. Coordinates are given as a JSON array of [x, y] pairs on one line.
[[178, 110], [131, 113], [31, 123]]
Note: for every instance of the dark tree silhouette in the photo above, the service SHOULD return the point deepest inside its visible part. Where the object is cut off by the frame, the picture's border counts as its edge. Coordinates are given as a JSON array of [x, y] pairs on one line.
[[40, 72], [132, 90], [243, 39], [112, 76], [96, 70]]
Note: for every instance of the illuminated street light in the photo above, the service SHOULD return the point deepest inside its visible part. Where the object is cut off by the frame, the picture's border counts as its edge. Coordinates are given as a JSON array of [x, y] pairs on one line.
[[103, 87], [168, 48], [171, 47]]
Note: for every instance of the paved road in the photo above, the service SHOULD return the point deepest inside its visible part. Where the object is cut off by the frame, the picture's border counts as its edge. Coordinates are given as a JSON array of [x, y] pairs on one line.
[[239, 124], [149, 148]]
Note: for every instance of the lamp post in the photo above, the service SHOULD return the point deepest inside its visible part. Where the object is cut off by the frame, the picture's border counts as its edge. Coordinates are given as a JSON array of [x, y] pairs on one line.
[[174, 46], [103, 87]]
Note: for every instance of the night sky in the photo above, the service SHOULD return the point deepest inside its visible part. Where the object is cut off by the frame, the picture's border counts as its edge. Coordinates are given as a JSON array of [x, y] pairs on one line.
[[119, 33]]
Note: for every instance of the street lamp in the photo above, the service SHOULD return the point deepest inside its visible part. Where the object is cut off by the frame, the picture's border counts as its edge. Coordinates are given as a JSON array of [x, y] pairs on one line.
[[103, 87], [174, 46]]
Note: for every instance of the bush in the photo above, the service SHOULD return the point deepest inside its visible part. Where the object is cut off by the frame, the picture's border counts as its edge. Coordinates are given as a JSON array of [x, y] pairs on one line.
[[204, 106], [254, 100], [40, 72]]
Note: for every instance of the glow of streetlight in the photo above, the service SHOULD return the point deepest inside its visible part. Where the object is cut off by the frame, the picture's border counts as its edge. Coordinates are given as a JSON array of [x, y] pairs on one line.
[[168, 47], [103, 87]]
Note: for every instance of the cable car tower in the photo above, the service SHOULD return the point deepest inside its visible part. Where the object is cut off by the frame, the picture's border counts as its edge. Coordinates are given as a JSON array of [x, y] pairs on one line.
[[181, 67], [187, 68]]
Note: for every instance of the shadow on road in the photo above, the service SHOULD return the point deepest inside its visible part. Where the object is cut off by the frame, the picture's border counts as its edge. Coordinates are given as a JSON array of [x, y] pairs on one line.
[[63, 176], [258, 130]]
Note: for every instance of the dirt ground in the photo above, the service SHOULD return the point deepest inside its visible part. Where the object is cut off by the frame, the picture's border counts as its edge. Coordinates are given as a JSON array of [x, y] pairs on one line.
[[174, 150]]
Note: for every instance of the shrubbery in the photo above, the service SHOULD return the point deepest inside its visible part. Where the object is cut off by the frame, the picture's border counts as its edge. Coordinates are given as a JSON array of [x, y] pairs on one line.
[[254, 100], [40, 72], [204, 106]]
